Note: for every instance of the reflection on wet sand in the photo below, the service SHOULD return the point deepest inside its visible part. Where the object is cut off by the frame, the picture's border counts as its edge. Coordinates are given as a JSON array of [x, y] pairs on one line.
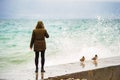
[[42, 75], [36, 78], [37, 75], [95, 63], [82, 64]]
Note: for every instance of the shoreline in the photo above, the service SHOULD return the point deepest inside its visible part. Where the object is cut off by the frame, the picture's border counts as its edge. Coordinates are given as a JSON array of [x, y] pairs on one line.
[[70, 70], [106, 73], [76, 69]]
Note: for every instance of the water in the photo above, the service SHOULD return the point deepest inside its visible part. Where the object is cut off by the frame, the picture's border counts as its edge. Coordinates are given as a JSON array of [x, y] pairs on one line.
[[69, 40]]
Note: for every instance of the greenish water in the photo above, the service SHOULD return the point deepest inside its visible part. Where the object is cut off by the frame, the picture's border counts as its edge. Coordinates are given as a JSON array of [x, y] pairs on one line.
[[69, 40]]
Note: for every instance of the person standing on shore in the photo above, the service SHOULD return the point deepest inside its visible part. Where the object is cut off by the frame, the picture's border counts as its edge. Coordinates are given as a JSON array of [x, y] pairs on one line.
[[38, 40]]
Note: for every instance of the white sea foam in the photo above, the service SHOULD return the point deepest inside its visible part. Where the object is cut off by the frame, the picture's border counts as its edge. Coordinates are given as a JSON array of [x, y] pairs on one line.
[[69, 40]]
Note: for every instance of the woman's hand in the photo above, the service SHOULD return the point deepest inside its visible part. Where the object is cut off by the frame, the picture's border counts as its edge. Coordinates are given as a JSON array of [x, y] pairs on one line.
[[30, 48]]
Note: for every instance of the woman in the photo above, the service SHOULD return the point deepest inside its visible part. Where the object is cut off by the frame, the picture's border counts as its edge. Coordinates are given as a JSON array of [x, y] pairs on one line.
[[38, 40]]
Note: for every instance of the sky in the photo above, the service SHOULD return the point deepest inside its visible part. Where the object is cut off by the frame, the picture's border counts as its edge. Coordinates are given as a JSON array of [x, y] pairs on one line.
[[59, 9]]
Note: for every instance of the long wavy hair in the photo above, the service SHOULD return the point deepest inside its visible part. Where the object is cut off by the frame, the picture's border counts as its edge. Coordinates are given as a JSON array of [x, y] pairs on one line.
[[39, 25]]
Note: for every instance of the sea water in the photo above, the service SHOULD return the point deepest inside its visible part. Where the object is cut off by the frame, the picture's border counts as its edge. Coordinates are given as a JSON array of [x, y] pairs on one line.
[[69, 40]]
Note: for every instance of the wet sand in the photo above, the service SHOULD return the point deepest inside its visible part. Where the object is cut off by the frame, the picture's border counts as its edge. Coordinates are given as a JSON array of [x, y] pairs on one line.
[[64, 71]]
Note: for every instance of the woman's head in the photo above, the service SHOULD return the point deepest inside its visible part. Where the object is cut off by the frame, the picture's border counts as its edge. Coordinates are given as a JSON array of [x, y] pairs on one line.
[[39, 25]]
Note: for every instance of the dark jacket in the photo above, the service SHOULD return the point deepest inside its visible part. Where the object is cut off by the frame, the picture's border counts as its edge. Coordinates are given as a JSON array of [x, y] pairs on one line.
[[38, 39]]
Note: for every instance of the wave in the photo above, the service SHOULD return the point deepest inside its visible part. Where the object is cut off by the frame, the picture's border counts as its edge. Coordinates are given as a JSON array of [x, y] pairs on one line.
[[69, 39]]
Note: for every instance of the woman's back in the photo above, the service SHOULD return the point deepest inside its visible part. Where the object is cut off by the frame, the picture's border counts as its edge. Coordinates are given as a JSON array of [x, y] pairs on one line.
[[40, 34], [38, 37]]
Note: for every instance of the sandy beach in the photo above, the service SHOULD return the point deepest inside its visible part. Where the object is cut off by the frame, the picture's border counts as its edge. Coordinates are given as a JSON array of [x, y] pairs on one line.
[[103, 69]]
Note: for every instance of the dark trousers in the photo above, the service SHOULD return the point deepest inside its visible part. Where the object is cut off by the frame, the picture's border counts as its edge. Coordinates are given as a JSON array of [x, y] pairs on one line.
[[42, 59]]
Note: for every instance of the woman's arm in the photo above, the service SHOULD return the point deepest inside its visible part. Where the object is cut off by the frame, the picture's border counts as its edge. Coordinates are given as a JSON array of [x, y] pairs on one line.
[[46, 34], [32, 40]]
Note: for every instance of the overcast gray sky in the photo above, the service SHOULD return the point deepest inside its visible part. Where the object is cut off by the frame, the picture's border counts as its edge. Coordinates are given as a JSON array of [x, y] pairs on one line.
[[59, 9]]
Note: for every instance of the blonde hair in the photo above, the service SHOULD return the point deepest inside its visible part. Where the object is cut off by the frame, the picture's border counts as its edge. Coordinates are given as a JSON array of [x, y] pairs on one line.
[[39, 25]]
